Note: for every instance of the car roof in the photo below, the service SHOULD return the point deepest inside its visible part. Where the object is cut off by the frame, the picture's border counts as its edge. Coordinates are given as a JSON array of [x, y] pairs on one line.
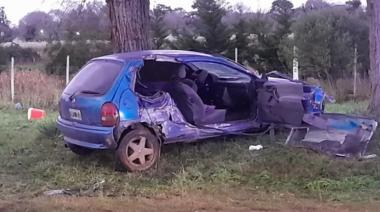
[[167, 53], [180, 55]]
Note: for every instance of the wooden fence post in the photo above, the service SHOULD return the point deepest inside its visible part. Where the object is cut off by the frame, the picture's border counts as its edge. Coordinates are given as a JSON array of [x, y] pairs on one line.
[[355, 70], [12, 79]]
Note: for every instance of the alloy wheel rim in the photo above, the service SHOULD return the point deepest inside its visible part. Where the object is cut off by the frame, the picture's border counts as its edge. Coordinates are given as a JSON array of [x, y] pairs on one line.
[[140, 151]]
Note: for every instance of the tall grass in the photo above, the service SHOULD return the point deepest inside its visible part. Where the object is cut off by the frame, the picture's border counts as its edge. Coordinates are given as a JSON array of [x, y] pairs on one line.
[[37, 89], [32, 89]]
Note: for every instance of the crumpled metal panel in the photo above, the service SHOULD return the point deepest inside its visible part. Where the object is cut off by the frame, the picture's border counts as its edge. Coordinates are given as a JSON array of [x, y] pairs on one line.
[[280, 102], [161, 110], [334, 134]]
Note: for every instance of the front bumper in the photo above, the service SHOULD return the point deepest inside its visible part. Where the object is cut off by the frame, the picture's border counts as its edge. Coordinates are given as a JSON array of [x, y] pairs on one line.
[[88, 136]]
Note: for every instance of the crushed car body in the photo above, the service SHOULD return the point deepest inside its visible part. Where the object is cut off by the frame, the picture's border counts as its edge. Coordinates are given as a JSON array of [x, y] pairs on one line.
[[135, 102], [334, 134]]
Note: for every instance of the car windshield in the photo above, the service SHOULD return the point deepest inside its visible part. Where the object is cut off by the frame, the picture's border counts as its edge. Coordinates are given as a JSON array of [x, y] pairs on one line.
[[95, 78], [221, 71]]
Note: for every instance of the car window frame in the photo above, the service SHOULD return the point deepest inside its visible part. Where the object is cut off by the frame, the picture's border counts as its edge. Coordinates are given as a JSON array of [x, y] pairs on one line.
[[121, 72], [245, 73]]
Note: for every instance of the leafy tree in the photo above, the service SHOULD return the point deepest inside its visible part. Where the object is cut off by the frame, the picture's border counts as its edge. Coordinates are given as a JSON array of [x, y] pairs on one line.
[[21, 55], [209, 25], [160, 30], [238, 22], [80, 52], [85, 21], [263, 48], [269, 49], [355, 23], [184, 32], [6, 33], [37, 25], [353, 5], [282, 11], [325, 45], [311, 5]]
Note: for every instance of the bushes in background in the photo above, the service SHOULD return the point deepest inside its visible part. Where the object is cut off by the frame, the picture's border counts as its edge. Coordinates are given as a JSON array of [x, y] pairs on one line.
[[21, 55], [80, 52]]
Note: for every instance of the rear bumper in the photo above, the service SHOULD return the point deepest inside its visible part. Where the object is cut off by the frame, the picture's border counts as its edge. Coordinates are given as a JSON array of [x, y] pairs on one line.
[[93, 137]]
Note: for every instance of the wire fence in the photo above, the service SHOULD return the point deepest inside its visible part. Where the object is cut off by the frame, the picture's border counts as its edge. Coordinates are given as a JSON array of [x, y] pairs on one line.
[[33, 87]]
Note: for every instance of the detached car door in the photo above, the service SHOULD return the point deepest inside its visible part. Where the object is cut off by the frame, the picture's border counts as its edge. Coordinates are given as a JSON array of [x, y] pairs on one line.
[[280, 101]]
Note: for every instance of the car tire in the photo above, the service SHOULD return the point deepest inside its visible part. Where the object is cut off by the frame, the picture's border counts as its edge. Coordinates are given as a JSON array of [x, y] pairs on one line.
[[138, 150], [79, 150]]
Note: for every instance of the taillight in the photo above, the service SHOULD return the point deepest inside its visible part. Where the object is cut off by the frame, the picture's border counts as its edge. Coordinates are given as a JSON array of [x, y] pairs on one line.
[[110, 115]]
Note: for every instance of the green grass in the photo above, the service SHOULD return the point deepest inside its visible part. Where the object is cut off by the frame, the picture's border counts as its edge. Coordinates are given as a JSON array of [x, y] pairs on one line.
[[351, 107], [33, 160]]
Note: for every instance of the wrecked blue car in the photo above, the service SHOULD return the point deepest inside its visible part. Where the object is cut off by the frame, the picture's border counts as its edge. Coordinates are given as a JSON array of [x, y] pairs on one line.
[[135, 102]]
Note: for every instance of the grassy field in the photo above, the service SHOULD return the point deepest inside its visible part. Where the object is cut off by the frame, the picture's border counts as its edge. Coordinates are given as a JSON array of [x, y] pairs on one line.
[[33, 160]]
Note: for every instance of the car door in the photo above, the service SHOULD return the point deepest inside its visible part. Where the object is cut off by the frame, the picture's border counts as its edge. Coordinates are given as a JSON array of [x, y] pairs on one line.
[[280, 101], [226, 81]]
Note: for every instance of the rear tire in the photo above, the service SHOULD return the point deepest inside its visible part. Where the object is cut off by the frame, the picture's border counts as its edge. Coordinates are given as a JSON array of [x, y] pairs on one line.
[[79, 150], [138, 150]]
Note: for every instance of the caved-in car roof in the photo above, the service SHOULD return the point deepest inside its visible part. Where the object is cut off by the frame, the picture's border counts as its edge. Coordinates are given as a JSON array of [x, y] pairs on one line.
[[167, 53]]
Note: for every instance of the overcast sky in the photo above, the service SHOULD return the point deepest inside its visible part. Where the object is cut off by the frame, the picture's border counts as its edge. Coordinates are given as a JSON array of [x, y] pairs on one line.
[[16, 9]]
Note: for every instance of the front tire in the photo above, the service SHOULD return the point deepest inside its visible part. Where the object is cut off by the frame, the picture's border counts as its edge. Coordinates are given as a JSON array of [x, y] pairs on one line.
[[79, 150], [138, 150]]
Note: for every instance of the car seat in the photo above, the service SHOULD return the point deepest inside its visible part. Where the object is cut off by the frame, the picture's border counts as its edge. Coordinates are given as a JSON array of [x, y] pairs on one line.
[[190, 104]]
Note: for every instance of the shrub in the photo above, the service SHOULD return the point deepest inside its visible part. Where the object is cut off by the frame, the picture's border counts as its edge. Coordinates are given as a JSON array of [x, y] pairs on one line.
[[79, 51], [21, 55]]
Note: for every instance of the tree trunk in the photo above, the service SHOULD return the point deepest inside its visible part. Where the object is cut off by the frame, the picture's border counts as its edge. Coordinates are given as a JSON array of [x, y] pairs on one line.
[[374, 42], [130, 25]]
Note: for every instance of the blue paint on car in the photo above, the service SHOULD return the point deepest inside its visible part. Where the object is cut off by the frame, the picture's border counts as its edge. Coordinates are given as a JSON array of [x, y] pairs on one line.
[[113, 79]]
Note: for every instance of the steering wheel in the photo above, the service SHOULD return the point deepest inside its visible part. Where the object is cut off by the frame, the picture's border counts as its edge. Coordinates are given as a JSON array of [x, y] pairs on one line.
[[200, 77]]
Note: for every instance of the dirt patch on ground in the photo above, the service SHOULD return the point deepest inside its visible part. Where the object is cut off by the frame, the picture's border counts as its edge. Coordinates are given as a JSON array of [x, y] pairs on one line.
[[194, 201]]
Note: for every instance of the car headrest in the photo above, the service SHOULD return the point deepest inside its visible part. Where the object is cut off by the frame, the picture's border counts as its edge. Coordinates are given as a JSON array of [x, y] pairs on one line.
[[181, 74]]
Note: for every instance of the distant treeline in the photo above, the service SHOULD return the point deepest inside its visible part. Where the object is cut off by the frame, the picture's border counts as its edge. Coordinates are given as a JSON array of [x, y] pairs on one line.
[[325, 35]]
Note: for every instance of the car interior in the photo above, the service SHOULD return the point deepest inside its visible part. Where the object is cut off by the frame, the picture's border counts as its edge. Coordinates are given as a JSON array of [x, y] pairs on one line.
[[202, 95]]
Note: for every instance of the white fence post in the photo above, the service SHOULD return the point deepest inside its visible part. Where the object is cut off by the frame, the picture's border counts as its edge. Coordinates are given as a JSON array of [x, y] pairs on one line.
[[295, 64], [236, 55], [12, 79], [67, 69]]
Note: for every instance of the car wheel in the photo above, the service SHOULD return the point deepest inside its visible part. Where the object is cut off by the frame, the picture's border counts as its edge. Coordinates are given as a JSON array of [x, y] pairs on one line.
[[138, 150], [79, 150]]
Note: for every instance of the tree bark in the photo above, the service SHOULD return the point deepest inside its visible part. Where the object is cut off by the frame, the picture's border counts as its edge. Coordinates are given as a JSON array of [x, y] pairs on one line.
[[373, 9], [130, 25]]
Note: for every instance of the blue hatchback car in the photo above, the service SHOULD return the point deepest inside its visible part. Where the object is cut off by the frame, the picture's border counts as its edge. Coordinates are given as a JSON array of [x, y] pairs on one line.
[[135, 102]]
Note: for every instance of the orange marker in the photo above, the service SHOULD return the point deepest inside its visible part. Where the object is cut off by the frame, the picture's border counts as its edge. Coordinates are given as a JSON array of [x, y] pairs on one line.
[[36, 114]]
